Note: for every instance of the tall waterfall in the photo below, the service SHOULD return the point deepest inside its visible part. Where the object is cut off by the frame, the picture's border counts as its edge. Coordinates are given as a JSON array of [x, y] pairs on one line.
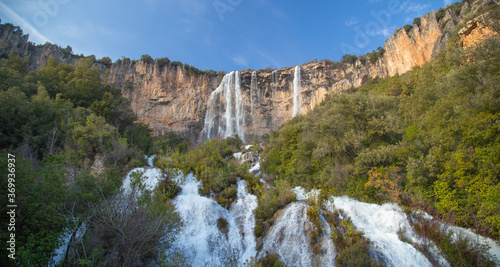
[[225, 110], [297, 90]]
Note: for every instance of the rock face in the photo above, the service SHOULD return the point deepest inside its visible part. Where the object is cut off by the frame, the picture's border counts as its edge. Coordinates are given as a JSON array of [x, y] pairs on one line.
[[172, 97], [167, 98]]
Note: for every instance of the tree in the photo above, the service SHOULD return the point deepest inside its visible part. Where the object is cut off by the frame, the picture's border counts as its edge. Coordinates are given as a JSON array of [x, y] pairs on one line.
[[94, 136], [348, 58], [15, 112], [147, 59], [126, 232]]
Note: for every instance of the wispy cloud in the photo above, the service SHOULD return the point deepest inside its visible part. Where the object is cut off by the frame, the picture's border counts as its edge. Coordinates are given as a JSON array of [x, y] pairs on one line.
[[352, 21], [385, 31], [35, 35], [447, 2], [193, 7], [416, 7], [278, 13], [240, 61]]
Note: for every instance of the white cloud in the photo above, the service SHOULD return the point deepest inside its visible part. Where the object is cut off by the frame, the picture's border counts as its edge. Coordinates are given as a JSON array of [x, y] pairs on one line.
[[417, 7], [385, 31], [240, 61], [447, 2], [351, 21], [35, 35]]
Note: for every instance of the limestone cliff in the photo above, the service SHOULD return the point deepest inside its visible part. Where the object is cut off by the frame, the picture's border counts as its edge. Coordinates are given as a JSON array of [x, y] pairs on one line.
[[172, 97], [168, 98]]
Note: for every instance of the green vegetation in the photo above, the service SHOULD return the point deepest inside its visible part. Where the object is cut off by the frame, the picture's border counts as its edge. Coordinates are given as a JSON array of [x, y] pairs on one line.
[[270, 260], [440, 14], [147, 59], [351, 246], [270, 200], [106, 61], [212, 162], [348, 58], [59, 121], [407, 28], [426, 139], [459, 250], [417, 21]]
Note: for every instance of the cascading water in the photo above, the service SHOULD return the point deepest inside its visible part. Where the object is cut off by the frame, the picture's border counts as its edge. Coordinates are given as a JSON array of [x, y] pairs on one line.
[[152, 176], [225, 110], [290, 238], [297, 90], [200, 240], [242, 212], [381, 224]]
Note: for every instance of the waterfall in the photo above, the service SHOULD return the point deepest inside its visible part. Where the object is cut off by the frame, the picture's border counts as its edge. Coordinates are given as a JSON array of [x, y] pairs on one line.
[[225, 114], [200, 240], [290, 238], [151, 178], [297, 89], [275, 78], [381, 224]]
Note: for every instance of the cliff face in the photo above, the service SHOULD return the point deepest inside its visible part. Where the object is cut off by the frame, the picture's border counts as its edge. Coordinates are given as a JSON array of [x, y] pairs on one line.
[[167, 98], [171, 98]]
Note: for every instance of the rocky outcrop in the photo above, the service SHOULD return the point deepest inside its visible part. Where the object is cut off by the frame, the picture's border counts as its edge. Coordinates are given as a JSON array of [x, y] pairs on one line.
[[476, 31], [12, 40], [173, 97]]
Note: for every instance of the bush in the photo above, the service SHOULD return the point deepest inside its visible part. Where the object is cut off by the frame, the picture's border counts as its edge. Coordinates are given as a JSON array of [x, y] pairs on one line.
[[349, 59], [106, 61], [122, 232], [407, 28], [270, 260], [417, 21], [147, 59]]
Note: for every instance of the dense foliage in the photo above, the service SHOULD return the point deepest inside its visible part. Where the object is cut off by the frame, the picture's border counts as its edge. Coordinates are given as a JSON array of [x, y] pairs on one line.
[[429, 138], [73, 138]]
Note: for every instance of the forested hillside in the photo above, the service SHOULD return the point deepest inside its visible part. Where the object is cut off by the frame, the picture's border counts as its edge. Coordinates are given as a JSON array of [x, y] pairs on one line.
[[67, 139], [428, 139]]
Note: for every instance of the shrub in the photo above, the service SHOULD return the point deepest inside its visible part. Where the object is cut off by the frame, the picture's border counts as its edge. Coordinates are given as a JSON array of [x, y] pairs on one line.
[[147, 59], [407, 28], [417, 21], [105, 61], [349, 59]]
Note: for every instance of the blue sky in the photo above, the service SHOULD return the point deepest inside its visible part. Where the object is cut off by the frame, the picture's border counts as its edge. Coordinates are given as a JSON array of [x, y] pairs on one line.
[[216, 34]]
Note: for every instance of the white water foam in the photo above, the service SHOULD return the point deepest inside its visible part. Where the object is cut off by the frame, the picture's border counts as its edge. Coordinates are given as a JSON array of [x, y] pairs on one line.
[[289, 238], [381, 224], [200, 240]]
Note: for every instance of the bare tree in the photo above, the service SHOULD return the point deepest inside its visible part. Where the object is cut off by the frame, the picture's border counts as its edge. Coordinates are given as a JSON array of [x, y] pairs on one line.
[[125, 232]]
